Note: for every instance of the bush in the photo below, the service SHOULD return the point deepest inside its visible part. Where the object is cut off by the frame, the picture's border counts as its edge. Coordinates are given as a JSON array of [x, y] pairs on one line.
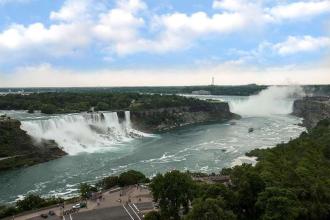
[[86, 190], [48, 109], [153, 215], [131, 177], [108, 182], [6, 211], [102, 106], [30, 202], [174, 191]]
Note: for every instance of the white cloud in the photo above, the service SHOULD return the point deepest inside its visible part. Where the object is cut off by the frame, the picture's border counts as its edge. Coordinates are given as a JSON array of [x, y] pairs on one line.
[[57, 40], [118, 25], [300, 9], [298, 44], [131, 5], [71, 10], [72, 33], [130, 27]]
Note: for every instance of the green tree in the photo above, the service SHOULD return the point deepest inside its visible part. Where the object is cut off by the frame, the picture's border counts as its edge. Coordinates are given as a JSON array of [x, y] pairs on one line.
[[153, 215], [108, 182], [102, 106], [278, 204], [85, 190], [173, 191], [247, 183], [48, 109], [218, 190], [209, 209], [6, 211], [131, 177], [30, 202]]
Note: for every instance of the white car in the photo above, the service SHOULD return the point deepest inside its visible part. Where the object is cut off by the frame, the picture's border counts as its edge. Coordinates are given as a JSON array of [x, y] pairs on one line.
[[76, 206]]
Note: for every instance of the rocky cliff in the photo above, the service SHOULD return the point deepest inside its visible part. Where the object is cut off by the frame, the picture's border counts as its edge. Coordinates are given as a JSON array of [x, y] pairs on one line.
[[312, 110], [17, 149], [163, 119]]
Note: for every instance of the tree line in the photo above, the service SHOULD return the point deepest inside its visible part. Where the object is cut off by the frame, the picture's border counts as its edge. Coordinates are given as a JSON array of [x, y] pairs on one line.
[[51, 103]]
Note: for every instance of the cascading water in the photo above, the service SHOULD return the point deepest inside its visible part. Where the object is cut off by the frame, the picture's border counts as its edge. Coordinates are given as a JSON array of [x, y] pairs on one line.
[[275, 100], [86, 132]]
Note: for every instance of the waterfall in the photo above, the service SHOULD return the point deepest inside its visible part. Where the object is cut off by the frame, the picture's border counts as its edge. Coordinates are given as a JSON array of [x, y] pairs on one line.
[[85, 132], [275, 100]]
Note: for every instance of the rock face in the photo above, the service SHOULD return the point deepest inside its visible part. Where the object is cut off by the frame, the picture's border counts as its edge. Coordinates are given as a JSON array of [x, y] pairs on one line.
[[17, 149], [312, 110], [163, 119]]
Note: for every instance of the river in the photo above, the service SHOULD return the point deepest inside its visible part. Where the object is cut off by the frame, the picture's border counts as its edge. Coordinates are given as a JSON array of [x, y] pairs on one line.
[[205, 148]]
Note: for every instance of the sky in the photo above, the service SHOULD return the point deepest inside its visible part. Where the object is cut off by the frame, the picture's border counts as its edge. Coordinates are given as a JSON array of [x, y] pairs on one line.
[[65, 43]]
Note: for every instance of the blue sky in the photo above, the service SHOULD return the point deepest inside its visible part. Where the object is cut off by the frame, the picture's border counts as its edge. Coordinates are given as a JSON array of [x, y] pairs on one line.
[[169, 42]]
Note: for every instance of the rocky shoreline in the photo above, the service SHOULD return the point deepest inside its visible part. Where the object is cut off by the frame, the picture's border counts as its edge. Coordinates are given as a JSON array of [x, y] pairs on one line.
[[17, 149], [312, 110]]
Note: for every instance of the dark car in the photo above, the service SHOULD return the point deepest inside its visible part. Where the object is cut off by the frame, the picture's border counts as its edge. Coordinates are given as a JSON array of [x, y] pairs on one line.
[[44, 216]]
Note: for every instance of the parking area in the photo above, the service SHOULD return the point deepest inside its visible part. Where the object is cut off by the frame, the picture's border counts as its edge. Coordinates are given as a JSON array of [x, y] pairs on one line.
[[49, 218], [125, 203], [123, 212], [128, 211]]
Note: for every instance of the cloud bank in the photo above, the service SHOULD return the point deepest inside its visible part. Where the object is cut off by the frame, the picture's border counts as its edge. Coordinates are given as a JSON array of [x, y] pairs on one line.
[[122, 29], [130, 27]]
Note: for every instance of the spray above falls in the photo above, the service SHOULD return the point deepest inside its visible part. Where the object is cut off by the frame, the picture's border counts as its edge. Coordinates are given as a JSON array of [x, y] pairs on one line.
[[85, 132], [275, 100]]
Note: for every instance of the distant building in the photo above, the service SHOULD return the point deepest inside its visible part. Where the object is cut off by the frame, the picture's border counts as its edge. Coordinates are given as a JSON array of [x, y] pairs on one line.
[[201, 92]]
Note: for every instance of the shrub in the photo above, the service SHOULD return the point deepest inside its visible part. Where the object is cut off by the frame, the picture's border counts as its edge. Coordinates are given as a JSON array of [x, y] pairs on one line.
[[153, 215], [48, 109], [6, 211], [86, 190], [108, 182], [131, 177], [30, 202]]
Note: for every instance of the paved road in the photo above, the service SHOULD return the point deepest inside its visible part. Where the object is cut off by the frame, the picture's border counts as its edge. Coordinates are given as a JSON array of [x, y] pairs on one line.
[[123, 212]]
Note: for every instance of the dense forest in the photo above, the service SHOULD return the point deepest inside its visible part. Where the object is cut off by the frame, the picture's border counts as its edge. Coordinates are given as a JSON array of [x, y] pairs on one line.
[[50, 103]]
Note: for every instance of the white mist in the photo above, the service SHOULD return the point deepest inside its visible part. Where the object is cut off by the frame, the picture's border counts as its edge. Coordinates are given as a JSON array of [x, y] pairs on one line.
[[275, 100]]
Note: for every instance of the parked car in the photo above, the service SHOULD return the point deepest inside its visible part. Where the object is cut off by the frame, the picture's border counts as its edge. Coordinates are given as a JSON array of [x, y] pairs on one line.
[[44, 215], [76, 206]]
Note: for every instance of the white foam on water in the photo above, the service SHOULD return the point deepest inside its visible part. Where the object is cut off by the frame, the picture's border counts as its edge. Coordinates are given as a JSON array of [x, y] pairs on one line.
[[85, 132], [244, 159]]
